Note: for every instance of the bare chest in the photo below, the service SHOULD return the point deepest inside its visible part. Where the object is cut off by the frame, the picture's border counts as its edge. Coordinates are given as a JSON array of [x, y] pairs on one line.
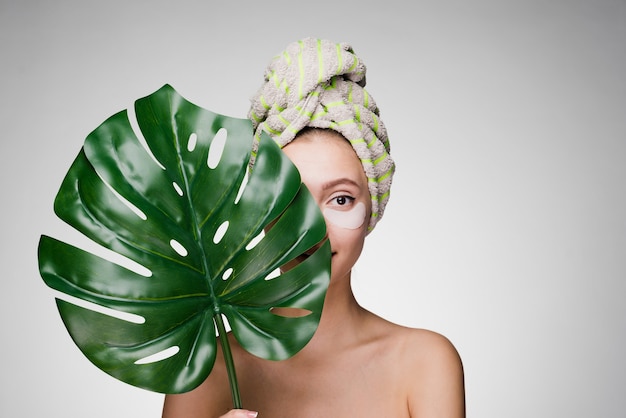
[[342, 387]]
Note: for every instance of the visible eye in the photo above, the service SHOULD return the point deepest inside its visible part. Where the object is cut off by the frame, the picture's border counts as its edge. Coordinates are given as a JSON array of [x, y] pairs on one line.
[[342, 200]]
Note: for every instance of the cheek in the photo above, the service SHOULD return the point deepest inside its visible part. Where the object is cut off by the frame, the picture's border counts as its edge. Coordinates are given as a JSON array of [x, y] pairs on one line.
[[351, 219]]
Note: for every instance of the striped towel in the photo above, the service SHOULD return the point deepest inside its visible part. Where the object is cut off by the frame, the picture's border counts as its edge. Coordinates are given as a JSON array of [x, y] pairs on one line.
[[320, 84]]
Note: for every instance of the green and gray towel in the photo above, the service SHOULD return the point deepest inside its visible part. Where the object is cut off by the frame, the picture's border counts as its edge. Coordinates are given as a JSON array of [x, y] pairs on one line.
[[320, 84]]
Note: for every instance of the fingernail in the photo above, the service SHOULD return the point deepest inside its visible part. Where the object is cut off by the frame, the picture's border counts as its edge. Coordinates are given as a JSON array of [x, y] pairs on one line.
[[252, 414]]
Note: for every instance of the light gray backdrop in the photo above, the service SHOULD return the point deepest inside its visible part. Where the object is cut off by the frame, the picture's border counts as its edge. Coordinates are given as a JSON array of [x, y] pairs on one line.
[[506, 230]]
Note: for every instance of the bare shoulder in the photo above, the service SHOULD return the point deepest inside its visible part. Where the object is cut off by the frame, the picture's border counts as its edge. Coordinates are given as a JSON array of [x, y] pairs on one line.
[[429, 349], [433, 372], [418, 347]]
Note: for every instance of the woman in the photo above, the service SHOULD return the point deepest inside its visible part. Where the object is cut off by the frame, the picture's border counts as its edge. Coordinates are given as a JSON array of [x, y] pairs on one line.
[[314, 106]]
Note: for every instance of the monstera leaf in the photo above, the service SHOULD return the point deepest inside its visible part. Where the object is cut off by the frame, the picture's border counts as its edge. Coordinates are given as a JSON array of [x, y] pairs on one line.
[[210, 232]]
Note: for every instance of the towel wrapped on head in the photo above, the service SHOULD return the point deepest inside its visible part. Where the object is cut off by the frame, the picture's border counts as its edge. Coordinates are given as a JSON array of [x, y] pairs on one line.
[[320, 84]]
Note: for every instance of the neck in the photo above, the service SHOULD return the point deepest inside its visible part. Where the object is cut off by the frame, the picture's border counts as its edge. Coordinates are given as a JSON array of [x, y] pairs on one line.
[[340, 321]]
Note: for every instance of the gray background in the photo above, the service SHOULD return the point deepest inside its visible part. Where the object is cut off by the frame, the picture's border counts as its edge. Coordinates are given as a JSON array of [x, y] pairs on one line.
[[506, 230]]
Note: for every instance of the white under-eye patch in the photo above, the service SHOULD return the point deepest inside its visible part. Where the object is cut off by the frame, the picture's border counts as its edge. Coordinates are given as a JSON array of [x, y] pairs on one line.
[[348, 219]]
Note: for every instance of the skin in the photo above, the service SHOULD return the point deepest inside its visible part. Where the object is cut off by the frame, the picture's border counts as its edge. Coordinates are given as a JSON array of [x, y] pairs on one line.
[[357, 364]]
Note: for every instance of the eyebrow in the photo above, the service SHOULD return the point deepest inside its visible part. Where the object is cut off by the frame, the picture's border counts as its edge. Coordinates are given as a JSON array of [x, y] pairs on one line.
[[343, 180]]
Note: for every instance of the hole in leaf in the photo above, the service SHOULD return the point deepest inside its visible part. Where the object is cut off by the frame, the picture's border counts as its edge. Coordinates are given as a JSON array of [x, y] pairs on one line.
[[221, 231], [122, 199], [177, 188], [242, 187], [76, 239], [254, 241], [124, 316], [217, 148], [227, 274], [226, 325], [191, 144], [161, 355], [178, 247], [274, 274], [132, 119], [287, 312]]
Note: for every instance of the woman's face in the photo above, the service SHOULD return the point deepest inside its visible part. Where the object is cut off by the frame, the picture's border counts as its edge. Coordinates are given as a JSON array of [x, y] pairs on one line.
[[334, 175]]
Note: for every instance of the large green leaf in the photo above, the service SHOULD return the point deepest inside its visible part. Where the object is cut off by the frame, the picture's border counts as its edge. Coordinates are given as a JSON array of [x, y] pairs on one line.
[[176, 212]]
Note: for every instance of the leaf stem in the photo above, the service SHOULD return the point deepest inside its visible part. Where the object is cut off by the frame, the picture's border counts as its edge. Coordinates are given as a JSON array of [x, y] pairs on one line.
[[228, 359]]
